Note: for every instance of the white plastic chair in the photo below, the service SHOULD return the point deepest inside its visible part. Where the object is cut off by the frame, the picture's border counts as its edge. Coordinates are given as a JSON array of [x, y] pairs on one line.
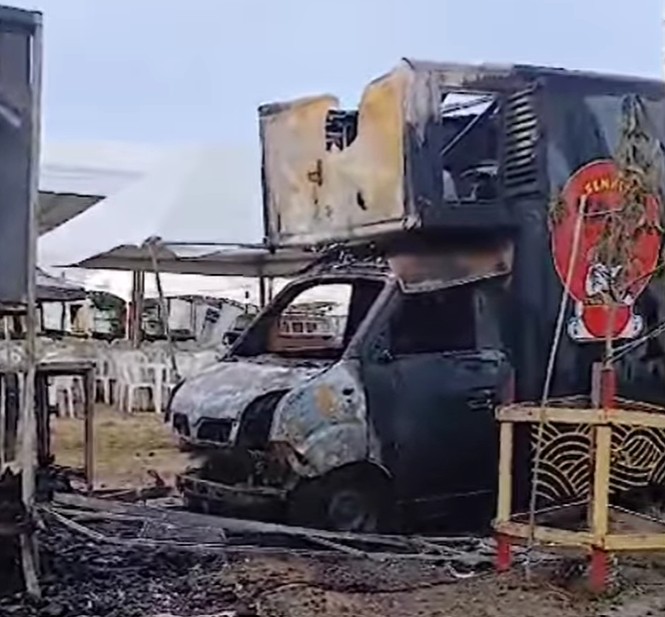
[[63, 388], [105, 375], [135, 374]]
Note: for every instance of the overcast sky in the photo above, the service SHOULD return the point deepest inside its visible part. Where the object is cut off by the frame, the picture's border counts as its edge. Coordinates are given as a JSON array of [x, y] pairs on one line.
[[171, 71]]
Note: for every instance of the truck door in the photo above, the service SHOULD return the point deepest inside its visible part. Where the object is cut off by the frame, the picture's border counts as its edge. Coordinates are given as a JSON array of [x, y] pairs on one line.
[[432, 391]]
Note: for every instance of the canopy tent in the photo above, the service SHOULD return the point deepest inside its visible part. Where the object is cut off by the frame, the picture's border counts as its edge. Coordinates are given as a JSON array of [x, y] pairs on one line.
[[209, 260], [202, 194], [153, 256], [75, 176], [54, 289], [54, 209]]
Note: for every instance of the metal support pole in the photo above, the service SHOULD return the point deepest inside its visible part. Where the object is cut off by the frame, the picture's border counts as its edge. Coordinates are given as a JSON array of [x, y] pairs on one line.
[[163, 310]]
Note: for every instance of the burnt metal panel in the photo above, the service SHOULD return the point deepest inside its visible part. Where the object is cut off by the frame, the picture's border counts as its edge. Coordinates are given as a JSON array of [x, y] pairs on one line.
[[522, 158], [16, 146], [330, 174], [430, 271]]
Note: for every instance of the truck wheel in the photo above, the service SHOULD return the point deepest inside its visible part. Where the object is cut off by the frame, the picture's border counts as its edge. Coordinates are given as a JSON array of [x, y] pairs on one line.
[[345, 500]]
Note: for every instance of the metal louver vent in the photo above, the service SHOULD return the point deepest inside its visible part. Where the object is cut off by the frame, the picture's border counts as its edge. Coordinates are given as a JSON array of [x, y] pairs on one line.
[[521, 169]]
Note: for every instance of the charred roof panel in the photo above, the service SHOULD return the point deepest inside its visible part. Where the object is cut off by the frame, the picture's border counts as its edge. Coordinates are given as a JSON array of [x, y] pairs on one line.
[[436, 145]]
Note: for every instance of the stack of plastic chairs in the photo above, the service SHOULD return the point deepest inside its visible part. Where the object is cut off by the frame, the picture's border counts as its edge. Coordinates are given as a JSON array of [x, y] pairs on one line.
[[63, 390], [136, 375], [105, 376]]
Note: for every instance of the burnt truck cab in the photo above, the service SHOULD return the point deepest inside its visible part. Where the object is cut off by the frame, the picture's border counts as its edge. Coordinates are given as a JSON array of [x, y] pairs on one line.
[[340, 427], [472, 184]]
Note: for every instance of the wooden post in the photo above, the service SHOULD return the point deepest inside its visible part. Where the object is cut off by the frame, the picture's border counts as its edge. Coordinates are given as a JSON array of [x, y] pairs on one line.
[[4, 453], [42, 415], [131, 309], [3, 421], [504, 506], [28, 432], [262, 291], [601, 483], [136, 313], [271, 289], [505, 472], [89, 429], [605, 383], [13, 409]]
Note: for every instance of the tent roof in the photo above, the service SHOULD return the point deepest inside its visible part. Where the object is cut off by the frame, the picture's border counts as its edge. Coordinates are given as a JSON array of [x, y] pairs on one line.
[[54, 209], [206, 260], [54, 289], [198, 194], [75, 176], [94, 168]]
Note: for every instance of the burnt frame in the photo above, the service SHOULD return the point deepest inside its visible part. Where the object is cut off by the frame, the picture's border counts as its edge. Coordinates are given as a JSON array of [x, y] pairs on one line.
[[246, 347], [505, 82]]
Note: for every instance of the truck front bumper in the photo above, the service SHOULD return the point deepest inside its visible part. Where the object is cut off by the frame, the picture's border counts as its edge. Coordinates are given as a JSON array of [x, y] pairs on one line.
[[236, 500]]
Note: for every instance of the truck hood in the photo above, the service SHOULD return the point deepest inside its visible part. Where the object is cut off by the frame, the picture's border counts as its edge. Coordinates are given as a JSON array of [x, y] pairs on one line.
[[224, 390]]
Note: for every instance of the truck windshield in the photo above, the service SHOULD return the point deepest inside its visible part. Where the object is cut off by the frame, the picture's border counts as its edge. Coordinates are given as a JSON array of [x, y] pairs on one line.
[[313, 320]]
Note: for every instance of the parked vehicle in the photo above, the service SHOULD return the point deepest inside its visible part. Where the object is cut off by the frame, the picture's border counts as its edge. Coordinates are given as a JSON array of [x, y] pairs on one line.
[[464, 199]]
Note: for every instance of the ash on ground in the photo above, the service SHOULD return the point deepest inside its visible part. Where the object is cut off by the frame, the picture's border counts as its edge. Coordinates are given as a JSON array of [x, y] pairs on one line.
[[84, 579]]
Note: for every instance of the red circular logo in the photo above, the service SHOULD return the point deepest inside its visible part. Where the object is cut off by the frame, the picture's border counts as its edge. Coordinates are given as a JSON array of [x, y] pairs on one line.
[[617, 252]]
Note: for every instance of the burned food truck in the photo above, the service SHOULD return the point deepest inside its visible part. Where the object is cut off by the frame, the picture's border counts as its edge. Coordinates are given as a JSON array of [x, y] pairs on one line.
[[451, 210]]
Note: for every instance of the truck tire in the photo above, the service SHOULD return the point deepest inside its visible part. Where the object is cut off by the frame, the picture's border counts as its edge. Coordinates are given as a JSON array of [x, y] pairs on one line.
[[348, 499]]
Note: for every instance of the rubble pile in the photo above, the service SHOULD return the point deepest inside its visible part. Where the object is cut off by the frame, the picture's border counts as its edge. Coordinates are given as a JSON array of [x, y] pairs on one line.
[[91, 580]]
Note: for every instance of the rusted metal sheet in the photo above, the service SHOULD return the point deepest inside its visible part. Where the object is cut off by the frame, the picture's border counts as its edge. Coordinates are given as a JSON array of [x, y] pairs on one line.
[[329, 173]]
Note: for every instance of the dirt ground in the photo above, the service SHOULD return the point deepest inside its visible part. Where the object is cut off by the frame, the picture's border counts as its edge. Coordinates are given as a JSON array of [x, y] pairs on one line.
[[319, 589], [128, 447]]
